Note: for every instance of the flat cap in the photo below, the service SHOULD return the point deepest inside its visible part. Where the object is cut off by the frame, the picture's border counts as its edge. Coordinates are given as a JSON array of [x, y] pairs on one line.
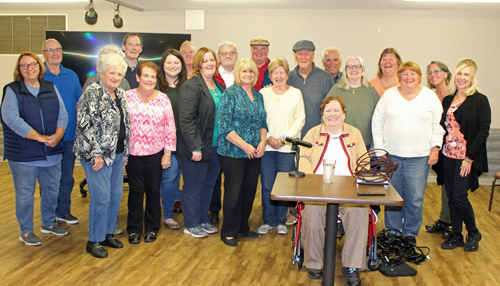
[[304, 45], [259, 41]]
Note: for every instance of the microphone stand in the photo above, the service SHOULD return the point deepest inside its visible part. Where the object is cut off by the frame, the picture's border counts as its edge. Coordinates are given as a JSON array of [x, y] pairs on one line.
[[296, 172]]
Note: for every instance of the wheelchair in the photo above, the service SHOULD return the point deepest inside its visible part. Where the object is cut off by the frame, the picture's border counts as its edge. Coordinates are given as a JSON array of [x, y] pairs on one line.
[[374, 259]]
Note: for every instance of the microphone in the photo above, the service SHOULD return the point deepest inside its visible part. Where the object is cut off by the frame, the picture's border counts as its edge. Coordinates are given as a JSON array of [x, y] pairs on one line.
[[296, 141]]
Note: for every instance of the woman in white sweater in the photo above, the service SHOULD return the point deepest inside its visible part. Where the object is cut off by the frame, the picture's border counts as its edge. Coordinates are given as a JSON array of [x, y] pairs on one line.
[[406, 124]]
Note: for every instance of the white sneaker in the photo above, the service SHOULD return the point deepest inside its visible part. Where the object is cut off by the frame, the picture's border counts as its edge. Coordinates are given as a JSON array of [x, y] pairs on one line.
[[282, 229], [263, 229]]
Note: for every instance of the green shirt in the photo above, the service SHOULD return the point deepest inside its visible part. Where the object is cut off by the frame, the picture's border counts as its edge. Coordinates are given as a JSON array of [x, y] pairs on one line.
[[360, 103]]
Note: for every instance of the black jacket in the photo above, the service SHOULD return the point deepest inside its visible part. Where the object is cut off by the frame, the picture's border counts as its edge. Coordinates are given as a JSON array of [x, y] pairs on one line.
[[196, 119], [474, 117]]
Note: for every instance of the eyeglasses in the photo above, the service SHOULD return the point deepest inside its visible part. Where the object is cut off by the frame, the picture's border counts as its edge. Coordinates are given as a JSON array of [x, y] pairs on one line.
[[56, 50], [434, 71], [231, 53], [26, 66], [351, 67]]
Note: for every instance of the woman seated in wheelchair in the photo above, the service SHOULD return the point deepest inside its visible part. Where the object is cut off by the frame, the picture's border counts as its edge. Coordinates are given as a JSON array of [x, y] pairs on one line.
[[334, 140]]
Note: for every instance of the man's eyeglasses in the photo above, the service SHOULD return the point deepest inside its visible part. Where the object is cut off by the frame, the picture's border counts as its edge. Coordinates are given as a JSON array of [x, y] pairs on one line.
[[56, 50], [434, 71], [26, 66], [232, 53]]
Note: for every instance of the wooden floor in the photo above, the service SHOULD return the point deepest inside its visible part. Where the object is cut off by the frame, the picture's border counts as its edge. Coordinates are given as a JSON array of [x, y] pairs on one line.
[[178, 259]]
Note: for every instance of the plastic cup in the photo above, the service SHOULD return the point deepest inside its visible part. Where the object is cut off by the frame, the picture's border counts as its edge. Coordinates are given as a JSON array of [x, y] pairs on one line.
[[328, 170]]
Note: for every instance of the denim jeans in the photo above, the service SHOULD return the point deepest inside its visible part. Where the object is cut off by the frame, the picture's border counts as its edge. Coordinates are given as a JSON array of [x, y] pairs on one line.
[[67, 180], [274, 212], [25, 177], [170, 187], [409, 180], [199, 179], [105, 190]]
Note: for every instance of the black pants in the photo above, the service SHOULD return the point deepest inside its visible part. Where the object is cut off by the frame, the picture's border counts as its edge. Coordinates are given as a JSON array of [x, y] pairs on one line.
[[144, 176], [240, 185], [457, 190]]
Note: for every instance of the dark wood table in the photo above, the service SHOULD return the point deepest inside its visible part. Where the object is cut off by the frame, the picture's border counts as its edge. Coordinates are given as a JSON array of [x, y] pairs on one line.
[[343, 190]]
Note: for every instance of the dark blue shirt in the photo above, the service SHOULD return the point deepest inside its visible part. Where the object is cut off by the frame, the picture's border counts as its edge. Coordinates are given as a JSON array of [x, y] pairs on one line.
[[239, 114]]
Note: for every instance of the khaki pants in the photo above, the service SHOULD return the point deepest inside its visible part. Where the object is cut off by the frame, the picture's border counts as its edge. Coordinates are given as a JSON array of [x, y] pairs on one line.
[[355, 221]]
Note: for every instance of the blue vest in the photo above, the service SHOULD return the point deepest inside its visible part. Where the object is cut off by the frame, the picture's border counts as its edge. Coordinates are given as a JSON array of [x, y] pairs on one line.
[[31, 110]]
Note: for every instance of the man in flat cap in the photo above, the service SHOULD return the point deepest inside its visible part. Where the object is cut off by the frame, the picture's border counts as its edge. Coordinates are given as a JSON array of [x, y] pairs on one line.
[[260, 49], [313, 82]]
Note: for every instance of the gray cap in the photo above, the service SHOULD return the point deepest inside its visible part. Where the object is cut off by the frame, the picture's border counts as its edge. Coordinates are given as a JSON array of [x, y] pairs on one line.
[[260, 41], [304, 45]]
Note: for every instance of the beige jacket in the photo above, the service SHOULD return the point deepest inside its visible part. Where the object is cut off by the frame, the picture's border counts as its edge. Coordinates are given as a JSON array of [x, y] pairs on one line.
[[352, 143]]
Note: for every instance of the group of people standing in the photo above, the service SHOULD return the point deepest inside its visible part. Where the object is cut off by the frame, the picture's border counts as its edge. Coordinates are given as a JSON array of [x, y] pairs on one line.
[[201, 113]]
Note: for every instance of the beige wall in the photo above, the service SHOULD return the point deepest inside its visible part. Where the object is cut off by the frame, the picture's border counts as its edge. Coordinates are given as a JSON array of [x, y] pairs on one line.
[[420, 36]]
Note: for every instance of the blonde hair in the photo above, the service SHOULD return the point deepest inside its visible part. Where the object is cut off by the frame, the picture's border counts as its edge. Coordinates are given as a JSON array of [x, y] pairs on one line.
[[243, 64], [344, 81], [278, 62], [475, 81], [17, 69], [413, 66]]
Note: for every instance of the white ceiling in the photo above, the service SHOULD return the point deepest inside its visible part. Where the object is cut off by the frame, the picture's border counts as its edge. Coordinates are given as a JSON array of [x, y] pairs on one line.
[[155, 5]]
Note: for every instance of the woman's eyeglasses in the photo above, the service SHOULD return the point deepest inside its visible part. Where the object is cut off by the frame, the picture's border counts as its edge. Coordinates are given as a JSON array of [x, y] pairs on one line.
[[434, 71]]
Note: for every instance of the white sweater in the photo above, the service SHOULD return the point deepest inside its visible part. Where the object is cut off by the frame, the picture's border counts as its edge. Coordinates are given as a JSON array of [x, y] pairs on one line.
[[408, 128]]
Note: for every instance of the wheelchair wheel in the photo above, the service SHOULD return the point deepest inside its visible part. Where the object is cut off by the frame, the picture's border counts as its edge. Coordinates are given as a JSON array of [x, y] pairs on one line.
[[374, 264], [300, 261]]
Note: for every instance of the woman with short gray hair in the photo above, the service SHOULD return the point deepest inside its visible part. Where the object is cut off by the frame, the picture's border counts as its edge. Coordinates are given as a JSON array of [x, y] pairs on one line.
[[101, 145]]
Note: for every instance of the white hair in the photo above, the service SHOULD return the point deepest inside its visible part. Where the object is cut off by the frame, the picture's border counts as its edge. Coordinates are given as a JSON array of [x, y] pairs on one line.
[[227, 44], [111, 60]]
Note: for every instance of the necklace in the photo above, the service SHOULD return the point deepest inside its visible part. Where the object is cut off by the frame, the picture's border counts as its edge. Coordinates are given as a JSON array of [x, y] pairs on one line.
[[214, 90]]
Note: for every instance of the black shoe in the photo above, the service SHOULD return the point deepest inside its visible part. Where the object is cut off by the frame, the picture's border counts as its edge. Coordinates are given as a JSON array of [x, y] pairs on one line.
[[438, 226], [249, 234], [134, 238], [411, 239], [214, 217], [96, 250], [351, 276], [472, 243], [150, 237], [455, 240], [315, 273], [111, 241], [229, 242], [448, 231], [177, 207]]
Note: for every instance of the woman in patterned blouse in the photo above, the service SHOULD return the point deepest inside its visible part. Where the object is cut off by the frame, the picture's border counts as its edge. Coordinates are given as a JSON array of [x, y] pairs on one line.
[[151, 141], [241, 143], [466, 119], [101, 145]]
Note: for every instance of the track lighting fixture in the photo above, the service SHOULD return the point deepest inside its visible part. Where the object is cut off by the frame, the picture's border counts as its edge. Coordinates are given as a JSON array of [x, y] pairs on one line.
[[117, 20], [91, 14]]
